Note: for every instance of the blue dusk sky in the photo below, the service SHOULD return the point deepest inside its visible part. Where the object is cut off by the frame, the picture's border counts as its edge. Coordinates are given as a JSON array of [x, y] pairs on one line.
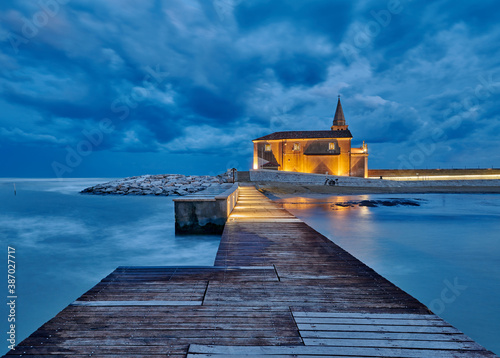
[[125, 87]]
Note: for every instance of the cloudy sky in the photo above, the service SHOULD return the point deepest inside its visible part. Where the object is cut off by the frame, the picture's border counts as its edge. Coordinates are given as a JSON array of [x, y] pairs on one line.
[[125, 87]]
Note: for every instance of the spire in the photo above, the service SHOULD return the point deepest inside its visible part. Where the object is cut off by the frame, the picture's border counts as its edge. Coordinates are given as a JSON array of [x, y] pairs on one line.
[[339, 119]]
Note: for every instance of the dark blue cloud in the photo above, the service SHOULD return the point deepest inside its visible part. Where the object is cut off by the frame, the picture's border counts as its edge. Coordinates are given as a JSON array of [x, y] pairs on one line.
[[173, 78], [218, 107], [481, 16], [301, 70], [328, 18]]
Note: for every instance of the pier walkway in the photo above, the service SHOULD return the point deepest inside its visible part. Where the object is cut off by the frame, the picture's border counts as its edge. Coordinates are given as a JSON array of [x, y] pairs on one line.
[[278, 289]]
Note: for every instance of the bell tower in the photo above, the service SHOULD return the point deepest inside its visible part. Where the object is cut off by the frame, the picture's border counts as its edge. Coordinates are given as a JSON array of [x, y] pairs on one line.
[[339, 119]]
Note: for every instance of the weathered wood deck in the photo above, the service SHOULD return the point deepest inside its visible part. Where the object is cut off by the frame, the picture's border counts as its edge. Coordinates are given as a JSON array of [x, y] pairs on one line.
[[278, 289]]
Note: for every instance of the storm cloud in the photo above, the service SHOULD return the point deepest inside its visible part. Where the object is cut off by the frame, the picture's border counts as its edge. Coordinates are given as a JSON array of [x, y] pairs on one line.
[[185, 85]]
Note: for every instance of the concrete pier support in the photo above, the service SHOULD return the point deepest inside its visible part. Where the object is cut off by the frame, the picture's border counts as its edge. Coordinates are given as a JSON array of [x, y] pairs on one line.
[[205, 212]]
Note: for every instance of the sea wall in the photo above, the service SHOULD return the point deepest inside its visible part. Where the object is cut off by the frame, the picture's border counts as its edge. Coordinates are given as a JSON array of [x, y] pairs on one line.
[[273, 176], [276, 176]]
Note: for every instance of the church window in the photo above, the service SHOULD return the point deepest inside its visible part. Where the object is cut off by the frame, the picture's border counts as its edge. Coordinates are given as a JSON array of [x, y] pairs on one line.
[[331, 146], [296, 146], [267, 147]]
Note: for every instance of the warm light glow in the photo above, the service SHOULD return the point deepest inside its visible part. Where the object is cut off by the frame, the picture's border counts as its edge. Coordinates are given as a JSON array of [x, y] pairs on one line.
[[441, 177], [250, 207], [364, 211]]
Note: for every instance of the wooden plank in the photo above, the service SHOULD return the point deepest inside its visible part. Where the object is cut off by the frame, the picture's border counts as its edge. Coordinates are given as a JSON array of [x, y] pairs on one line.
[[148, 342], [372, 321], [242, 351], [376, 328], [122, 354], [148, 269], [94, 351], [356, 315], [136, 303], [204, 355], [457, 337], [344, 304], [384, 343], [333, 354], [173, 332], [189, 310], [177, 322], [151, 325]]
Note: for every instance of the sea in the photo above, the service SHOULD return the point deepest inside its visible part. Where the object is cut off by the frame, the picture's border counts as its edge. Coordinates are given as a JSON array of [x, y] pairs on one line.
[[444, 250]]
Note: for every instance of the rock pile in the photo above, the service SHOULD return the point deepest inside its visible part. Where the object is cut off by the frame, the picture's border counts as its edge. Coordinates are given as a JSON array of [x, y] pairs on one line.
[[377, 203], [167, 184]]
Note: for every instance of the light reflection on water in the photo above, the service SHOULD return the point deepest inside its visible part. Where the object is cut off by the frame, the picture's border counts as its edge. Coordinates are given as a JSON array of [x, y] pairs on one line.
[[67, 242], [450, 240]]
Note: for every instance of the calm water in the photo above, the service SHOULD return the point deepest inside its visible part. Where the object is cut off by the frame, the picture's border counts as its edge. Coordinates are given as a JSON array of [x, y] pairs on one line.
[[445, 252], [67, 242]]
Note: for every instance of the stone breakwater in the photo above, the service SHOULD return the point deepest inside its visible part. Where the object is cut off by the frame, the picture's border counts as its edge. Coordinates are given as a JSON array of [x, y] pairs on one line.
[[167, 184]]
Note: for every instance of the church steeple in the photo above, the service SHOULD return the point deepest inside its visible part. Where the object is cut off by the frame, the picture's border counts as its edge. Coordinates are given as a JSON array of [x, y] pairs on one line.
[[339, 119]]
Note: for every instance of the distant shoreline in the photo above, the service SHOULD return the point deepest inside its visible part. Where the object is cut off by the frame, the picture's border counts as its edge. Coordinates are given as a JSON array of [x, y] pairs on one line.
[[283, 190]]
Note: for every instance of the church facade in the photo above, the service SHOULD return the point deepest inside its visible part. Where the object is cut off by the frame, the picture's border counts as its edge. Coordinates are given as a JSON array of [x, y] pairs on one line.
[[320, 152]]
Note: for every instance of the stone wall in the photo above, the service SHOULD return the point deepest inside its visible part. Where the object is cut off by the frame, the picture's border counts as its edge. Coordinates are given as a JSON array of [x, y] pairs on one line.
[[263, 175], [274, 176]]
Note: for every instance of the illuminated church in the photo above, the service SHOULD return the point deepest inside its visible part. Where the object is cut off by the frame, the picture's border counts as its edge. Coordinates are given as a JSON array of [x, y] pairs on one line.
[[320, 152]]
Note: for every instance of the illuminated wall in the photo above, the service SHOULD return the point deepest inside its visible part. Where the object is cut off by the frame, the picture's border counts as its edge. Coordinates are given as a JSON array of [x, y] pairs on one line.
[[319, 156]]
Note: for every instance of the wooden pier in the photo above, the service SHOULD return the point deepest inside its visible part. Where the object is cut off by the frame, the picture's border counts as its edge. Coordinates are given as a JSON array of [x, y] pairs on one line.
[[278, 289]]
